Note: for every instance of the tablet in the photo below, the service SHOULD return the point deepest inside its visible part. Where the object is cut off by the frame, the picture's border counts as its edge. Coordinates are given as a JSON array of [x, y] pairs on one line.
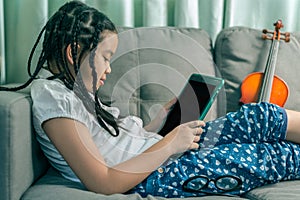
[[194, 101]]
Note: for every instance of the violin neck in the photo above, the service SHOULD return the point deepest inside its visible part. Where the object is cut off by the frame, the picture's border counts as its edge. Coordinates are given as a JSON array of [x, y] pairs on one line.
[[267, 82]]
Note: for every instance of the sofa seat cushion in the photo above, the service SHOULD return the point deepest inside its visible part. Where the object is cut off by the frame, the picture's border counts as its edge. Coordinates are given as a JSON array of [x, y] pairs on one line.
[[287, 190], [54, 186]]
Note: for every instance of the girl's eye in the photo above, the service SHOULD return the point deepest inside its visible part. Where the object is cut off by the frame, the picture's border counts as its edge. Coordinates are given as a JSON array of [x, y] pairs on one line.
[[106, 59]]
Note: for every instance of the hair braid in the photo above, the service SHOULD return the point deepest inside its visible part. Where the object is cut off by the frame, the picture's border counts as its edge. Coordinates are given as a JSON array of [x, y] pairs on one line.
[[59, 37], [93, 105], [101, 114], [37, 70], [74, 24], [75, 33]]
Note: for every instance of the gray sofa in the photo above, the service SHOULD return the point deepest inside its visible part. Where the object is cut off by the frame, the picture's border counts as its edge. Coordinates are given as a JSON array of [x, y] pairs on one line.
[[150, 67]]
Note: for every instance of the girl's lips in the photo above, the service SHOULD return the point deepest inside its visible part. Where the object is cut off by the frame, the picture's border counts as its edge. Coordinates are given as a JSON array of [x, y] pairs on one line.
[[101, 82]]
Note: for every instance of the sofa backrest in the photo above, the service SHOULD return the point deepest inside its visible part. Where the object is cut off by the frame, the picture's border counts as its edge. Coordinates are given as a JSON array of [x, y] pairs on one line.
[[22, 161], [239, 51], [152, 65]]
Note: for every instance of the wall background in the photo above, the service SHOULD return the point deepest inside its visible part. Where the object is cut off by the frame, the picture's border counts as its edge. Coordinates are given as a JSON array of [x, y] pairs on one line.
[[21, 21]]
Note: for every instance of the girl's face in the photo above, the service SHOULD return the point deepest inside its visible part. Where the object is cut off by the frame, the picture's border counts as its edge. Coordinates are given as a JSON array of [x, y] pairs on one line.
[[103, 54]]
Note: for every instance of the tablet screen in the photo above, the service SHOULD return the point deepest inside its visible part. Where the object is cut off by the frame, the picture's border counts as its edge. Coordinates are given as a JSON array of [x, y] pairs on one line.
[[192, 101]]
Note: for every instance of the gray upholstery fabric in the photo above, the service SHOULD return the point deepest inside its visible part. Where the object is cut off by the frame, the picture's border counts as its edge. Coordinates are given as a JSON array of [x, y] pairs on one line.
[[54, 186], [288, 190], [151, 66], [241, 50], [148, 69], [21, 159]]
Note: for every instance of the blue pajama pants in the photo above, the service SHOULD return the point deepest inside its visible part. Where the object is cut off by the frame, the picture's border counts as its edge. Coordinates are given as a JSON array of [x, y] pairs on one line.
[[248, 144]]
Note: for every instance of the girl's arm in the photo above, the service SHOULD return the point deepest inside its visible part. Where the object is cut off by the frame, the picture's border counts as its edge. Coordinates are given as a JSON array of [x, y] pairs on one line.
[[156, 123], [74, 142]]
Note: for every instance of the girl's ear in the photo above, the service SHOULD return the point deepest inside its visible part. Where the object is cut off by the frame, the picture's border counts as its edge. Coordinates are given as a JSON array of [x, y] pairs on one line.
[[69, 54]]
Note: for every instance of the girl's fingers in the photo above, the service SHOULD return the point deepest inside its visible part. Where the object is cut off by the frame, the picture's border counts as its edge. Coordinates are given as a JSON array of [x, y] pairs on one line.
[[198, 131], [170, 104], [196, 139], [194, 145], [196, 124]]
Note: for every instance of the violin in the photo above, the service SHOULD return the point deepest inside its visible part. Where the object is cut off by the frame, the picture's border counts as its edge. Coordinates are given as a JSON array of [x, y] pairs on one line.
[[266, 86]]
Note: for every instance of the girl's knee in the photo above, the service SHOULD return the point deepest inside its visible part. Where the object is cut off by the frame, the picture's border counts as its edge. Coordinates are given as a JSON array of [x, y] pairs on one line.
[[261, 108], [267, 113]]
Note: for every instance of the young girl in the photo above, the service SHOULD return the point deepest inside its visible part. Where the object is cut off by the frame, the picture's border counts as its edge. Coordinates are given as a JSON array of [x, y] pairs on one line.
[[88, 142]]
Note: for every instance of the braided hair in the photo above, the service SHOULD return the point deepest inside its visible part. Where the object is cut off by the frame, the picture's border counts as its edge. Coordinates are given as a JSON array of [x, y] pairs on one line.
[[73, 24]]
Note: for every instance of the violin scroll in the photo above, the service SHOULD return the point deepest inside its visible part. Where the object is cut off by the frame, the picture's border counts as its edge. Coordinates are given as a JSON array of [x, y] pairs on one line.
[[276, 34]]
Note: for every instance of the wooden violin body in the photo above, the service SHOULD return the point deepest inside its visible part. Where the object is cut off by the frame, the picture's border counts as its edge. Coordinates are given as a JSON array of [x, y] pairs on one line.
[[251, 86], [266, 86]]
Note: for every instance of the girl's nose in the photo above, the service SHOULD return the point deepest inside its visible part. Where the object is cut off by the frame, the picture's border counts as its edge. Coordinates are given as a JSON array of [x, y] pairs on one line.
[[108, 70]]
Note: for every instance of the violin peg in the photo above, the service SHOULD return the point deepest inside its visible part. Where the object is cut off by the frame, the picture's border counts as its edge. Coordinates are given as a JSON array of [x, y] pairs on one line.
[[266, 37], [287, 34], [287, 39], [265, 31]]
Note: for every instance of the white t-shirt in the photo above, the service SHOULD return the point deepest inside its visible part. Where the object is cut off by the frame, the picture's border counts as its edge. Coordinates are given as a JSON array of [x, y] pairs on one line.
[[51, 99]]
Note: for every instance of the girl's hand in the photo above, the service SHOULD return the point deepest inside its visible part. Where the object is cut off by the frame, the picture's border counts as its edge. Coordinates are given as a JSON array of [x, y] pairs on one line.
[[185, 136], [157, 122]]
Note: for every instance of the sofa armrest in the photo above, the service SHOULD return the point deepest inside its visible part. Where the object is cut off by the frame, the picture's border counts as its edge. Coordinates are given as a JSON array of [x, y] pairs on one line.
[[22, 162]]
